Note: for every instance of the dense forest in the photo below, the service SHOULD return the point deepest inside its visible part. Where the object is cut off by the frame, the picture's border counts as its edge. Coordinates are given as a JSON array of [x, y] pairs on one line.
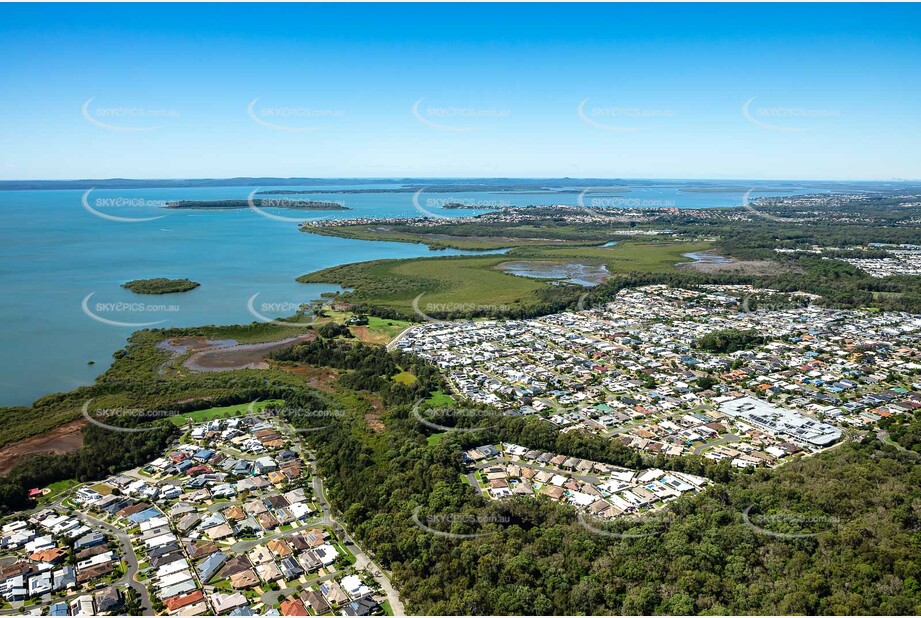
[[160, 285], [371, 368], [729, 340], [862, 502]]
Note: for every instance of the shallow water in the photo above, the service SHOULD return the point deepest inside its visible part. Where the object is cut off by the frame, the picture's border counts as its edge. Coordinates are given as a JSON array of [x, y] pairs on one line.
[[56, 256], [587, 275]]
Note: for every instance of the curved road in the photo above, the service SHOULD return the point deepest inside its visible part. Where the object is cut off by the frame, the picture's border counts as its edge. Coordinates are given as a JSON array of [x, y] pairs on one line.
[[727, 439], [128, 579], [885, 439], [128, 551]]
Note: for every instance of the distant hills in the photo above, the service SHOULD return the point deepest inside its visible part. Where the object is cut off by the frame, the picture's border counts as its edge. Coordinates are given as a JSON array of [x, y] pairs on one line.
[[454, 184]]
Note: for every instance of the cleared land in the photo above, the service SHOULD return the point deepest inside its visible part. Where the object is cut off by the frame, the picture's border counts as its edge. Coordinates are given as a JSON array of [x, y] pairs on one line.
[[377, 330], [200, 416], [65, 438], [746, 267]]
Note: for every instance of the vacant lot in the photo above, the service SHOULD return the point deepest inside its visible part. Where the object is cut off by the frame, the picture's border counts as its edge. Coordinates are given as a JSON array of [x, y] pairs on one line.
[[200, 416]]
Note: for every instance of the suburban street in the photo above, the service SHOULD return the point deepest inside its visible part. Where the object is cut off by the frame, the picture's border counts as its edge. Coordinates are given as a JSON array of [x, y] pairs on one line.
[[128, 552], [362, 560]]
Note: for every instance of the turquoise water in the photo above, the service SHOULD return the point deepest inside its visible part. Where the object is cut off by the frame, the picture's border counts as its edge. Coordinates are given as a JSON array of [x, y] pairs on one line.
[[53, 253]]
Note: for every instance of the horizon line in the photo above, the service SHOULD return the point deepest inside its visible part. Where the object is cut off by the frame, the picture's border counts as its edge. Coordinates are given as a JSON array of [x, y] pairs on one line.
[[435, 177]]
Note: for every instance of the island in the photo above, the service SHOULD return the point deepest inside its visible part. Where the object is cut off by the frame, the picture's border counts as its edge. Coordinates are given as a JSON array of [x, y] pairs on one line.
[[160, 285], [259, 203]]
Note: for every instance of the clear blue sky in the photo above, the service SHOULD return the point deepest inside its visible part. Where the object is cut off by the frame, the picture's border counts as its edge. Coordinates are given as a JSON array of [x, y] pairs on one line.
[[662, 89]]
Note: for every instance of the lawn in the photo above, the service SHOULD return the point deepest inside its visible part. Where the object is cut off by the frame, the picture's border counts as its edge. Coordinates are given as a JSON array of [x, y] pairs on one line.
[[377, 330], [200, 416], [440, 398], [55, 489], [102, 489], [344, 551], [390, 328]]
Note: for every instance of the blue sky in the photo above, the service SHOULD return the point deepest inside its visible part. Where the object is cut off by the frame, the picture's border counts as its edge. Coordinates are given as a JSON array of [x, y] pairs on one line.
[[642, 91]]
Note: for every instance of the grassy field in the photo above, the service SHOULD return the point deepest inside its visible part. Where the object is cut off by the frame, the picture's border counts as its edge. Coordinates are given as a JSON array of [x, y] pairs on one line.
[[646, 257], [435, 438], [440, 398], [55, 489], [444, 281], [201, 416], [387, 328], [450, 283], [378, 330], [404, 377]]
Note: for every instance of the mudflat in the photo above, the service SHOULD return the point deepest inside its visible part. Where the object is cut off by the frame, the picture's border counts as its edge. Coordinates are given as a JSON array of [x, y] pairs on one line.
[[65, 438], [247, 356]]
